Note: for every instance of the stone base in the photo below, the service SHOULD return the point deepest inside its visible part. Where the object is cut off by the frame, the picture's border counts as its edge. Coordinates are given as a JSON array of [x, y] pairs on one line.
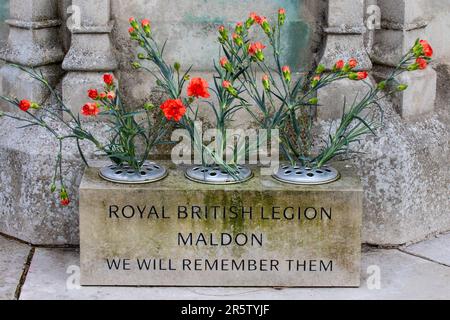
[[333, 97], [174, 233], [75, 86], [18, 84], [28, 210], [420, 97]]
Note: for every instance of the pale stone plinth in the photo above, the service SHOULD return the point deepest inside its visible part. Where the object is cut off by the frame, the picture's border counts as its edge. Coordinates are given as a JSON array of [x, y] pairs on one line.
[[328, 250]]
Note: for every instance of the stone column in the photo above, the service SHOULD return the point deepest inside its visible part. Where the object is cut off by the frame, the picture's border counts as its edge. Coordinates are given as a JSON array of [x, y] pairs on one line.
[[33, 41], [90, 54], [344, 40], [403, 21]]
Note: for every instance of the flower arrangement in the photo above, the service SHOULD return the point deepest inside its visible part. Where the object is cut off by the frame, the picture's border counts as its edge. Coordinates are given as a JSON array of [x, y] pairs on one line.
[[126, 132], [278, 101], [288, 105], [180, 104]]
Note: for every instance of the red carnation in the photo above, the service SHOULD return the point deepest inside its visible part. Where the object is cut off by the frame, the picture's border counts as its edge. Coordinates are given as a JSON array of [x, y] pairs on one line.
[[256, 18], [111, 95], [93, 94], [353, 63], [422, 63], [64, 196], [255, 48], [427, 49], [340, 65], [65, 202], [362, 75], [145, 23], [281, 11], [24, 105], [173, 109], [223, 62], [131, 30], [90, 109], [198, 87], [226, 84], [108, 79]]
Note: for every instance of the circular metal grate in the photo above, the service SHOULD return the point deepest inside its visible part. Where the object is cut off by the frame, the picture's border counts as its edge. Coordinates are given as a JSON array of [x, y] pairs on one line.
[[215, 175], [306, 176], [150, 172]]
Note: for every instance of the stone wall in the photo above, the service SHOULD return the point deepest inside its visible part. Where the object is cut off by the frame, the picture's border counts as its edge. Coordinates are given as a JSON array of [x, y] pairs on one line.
[[438, 30], [190, 28], [4, 13]]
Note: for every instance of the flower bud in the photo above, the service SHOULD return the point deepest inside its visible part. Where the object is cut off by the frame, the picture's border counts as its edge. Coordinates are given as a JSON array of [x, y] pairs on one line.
[[313, 101], [260, 56], [239, 28], [402, 87], [134, 23], [224, 63], [320, 69], [141, 56], [149, 106], [136, 65], [266, 26], [231, 90], [177, 66], [146, 26], [65, 201], [413, 67], [35, 106], [53, 188], [286, 73], [223, 33], [281, 16], [266, 82], [238, 40], [382, 85]]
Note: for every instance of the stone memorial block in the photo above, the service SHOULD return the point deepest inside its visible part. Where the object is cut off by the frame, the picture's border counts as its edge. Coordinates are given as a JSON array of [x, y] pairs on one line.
[[261, 233]]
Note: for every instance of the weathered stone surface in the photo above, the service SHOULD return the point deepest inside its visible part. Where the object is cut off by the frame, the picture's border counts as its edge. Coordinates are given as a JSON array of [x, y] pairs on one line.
[[404, 177], [34, 10], [404, 14], [402, 276], [330, 247], [33, 41], [90, 53], [391, 45], [420, 97], [18, 84], [436, 249], [13, 257], [192, 33], [335, 96], [28, 210]]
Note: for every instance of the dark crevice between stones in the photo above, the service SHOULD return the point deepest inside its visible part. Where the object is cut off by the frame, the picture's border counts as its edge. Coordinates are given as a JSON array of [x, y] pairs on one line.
[[24, 274], [45, 246]]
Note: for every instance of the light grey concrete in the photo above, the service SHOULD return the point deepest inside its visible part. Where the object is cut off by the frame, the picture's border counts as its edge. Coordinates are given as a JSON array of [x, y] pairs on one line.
[[402, 276], [13, 257], [436, 249]]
